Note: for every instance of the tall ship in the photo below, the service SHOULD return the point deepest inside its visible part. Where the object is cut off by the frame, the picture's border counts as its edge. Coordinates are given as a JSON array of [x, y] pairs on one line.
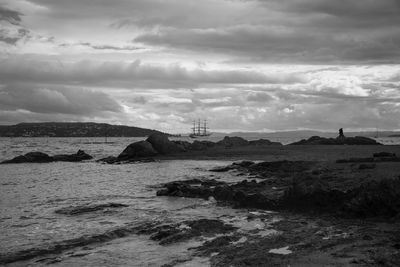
[[199, 129]]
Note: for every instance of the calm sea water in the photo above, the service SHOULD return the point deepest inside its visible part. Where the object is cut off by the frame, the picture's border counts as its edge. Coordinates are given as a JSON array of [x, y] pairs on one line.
[[30, 193]]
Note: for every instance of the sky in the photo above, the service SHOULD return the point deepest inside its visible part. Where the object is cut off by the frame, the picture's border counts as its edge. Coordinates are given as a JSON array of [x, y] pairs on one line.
[[244, 65]]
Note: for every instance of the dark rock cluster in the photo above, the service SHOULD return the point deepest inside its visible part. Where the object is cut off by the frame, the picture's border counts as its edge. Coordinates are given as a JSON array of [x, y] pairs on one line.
[[317, 140], [295, 185], [159, 144], [40, 157], [177, 232]]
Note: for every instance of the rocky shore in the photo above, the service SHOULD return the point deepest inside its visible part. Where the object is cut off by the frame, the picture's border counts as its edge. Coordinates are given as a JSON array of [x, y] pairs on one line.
[[159, 146], [337, 213]]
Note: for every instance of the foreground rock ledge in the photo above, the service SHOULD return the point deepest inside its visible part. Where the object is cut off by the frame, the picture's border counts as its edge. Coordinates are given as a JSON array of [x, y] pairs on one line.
[[299, 186]]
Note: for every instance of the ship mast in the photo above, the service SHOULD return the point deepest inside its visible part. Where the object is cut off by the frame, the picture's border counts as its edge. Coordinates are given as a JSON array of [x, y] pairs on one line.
[[198, 128], [205, 128], [194, 127]]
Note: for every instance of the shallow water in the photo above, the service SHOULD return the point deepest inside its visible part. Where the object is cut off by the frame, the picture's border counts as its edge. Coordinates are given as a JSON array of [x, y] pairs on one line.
[[30, 194]]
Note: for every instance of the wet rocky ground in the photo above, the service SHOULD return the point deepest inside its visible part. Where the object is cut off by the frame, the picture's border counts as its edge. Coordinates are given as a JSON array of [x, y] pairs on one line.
[[332, 213]]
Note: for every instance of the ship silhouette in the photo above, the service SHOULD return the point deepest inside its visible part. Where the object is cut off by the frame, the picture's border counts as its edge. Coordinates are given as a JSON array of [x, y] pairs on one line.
[[199, 129]]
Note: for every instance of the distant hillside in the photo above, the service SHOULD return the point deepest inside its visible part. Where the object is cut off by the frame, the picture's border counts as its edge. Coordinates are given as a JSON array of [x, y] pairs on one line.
[[72, 129]]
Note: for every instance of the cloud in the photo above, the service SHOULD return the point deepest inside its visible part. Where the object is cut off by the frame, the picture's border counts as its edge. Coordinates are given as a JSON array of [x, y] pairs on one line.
[[56, 100], [259, 97], [250, 65], [103, 46], [284, 44], [11, 35], [11, 16], [298, 31], [134, 73]]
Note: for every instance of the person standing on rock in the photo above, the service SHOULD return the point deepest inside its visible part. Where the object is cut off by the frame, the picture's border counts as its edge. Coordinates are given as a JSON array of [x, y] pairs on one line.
[[341, 136]]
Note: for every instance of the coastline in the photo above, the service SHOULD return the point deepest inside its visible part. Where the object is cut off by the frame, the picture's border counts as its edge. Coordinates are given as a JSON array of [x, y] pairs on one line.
[[295, 235], [313, 229]]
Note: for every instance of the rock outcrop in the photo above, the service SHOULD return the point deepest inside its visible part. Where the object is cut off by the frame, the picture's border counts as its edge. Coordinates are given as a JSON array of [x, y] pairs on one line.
[[232, 141], [317, 140], [163, 145], [31, 157], [295, 185], [183, 145], [78, 156], [40, 157], [263, 142], [177, 232], [138, 150], [201, 145]]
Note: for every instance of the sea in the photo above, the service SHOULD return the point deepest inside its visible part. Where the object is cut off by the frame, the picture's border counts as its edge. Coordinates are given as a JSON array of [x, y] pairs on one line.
[[31, 193]]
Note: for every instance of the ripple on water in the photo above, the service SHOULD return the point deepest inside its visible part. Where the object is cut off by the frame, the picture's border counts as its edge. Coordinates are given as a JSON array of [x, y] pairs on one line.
[[97, 237]]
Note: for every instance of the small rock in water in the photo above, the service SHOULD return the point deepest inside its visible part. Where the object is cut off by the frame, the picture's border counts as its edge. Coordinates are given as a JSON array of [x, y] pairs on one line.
[[74, 210]]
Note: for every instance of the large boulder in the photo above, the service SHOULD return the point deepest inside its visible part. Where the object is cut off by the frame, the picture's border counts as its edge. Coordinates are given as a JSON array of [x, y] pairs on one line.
[[233, 141], [201, 145], [163, 145], [31, 157], [183, 145], [78, 156], [138, 150]]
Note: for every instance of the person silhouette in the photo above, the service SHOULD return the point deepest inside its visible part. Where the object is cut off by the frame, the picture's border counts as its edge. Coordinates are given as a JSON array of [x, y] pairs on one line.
[[341, 135]]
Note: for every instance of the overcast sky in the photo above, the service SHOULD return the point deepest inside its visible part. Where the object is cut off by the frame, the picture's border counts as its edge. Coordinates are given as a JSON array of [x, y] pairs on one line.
[[248, 65]]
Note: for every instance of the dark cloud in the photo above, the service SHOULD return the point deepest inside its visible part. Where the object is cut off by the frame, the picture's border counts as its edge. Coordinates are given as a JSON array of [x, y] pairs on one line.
[[366, 12], [290, 45], [10, 38], [11, 16], [56, 99], [270, 31], [300, 31]]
